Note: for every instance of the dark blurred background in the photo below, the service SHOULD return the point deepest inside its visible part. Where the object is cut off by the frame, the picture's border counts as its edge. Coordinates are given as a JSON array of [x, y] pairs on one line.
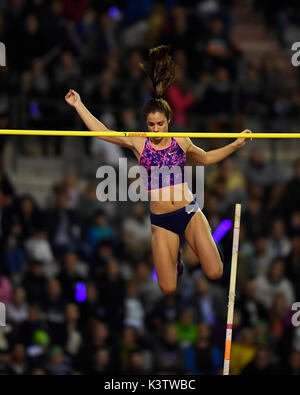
[[76, 273]]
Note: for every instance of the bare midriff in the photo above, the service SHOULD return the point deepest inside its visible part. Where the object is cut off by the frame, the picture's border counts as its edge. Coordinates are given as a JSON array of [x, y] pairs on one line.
[[169, 199]]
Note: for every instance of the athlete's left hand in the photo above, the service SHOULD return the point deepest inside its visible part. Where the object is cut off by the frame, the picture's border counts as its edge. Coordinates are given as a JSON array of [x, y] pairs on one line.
[[241, 141]]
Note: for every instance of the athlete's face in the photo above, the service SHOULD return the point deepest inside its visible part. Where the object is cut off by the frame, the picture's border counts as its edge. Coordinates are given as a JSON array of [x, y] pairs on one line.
[[157, 122]]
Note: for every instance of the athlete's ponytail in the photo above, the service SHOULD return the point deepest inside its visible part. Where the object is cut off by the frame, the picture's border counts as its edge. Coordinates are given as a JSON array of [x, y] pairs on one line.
[[161, 69]]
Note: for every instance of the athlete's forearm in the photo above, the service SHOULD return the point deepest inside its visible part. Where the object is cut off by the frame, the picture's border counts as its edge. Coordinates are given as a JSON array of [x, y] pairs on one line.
[[94, 124], [90, 121], [217, 155]]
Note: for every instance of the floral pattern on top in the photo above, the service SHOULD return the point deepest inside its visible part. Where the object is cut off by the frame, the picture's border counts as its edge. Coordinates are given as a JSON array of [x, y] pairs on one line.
[[165, 167]]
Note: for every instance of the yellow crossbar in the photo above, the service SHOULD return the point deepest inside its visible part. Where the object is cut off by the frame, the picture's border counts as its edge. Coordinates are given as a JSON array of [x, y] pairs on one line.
[[147, 134]]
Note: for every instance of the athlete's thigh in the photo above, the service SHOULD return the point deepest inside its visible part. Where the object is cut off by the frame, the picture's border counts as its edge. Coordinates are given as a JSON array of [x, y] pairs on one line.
[[198, 236], [165, 246]]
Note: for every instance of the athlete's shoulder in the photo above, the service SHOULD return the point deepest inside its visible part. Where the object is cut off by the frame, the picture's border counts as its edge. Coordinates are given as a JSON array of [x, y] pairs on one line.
[[183, 142], [138, 142]]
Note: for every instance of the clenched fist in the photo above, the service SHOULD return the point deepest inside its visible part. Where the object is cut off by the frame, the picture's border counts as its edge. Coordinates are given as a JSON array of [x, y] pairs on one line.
[[72, 98], [241, 141]]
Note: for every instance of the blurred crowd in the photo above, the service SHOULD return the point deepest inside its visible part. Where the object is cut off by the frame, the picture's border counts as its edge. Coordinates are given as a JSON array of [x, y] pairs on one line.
[[95, 48], [281, 18], [76, 276], [81, 296]]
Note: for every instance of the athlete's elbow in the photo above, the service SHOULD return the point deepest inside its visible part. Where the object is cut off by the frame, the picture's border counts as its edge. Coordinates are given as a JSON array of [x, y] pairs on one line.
[[202, 161], [205, 160]]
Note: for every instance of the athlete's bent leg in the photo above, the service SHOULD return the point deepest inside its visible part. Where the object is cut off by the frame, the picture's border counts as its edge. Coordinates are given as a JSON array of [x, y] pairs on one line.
[[198, 236], [165, 246]]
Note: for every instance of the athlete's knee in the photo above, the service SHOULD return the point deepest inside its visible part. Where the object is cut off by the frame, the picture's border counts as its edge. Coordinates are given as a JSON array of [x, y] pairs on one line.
[[216, 272], [167, 289]]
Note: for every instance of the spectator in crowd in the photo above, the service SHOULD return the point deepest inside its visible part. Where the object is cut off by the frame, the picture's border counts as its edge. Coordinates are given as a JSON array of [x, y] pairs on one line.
[[168, 354], [274, 282], [57, 364], [63, 225], [186, 329], [137, 364], [164, 312], [292, 366], [70, 185], [38, 349], [66, 72], [292, 189], [278, 242], [149, 291], [17, 309], [6, 185], [251, 310], [102, 253], [279, 317], [262, 172], [39, 78], [131, 343], [219, 95], [101, 363], [293, 265], [242, 351], [262, 257], [137, 227], [74, 9], [220, 49], [73, 272], [112, 290], [39, 250], [74, 332], [134, 311], [53, 306], [33, 42], [261, 365], [34, 282], [97, 337], [178, 30], [209, 300], [31, 325], [92, 307], [181, 99], [17, 363], [128, 344], [250, 95], [38, 372], [5, 289], [233, 177], [88, 203], [13, 248], [30, 216], [203, 358], [100, 230]]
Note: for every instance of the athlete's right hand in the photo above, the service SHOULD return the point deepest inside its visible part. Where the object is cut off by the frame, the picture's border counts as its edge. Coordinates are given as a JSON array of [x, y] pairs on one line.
[[72, 98]]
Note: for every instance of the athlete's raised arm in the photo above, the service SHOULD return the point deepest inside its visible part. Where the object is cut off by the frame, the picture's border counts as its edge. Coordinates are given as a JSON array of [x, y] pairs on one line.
[[217, 155], [92, 123]]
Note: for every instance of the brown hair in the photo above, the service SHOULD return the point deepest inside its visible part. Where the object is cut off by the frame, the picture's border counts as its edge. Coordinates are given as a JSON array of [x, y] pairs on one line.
[[161, 69]]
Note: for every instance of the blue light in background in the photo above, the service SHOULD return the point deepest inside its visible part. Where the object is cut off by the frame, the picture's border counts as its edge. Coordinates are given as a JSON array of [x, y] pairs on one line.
[[154, 276], [114, 13], [222, 229], [34, 109], [80, 294]]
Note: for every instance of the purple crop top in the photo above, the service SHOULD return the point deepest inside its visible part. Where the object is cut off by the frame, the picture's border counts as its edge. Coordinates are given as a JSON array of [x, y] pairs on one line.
[[165, 167]]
